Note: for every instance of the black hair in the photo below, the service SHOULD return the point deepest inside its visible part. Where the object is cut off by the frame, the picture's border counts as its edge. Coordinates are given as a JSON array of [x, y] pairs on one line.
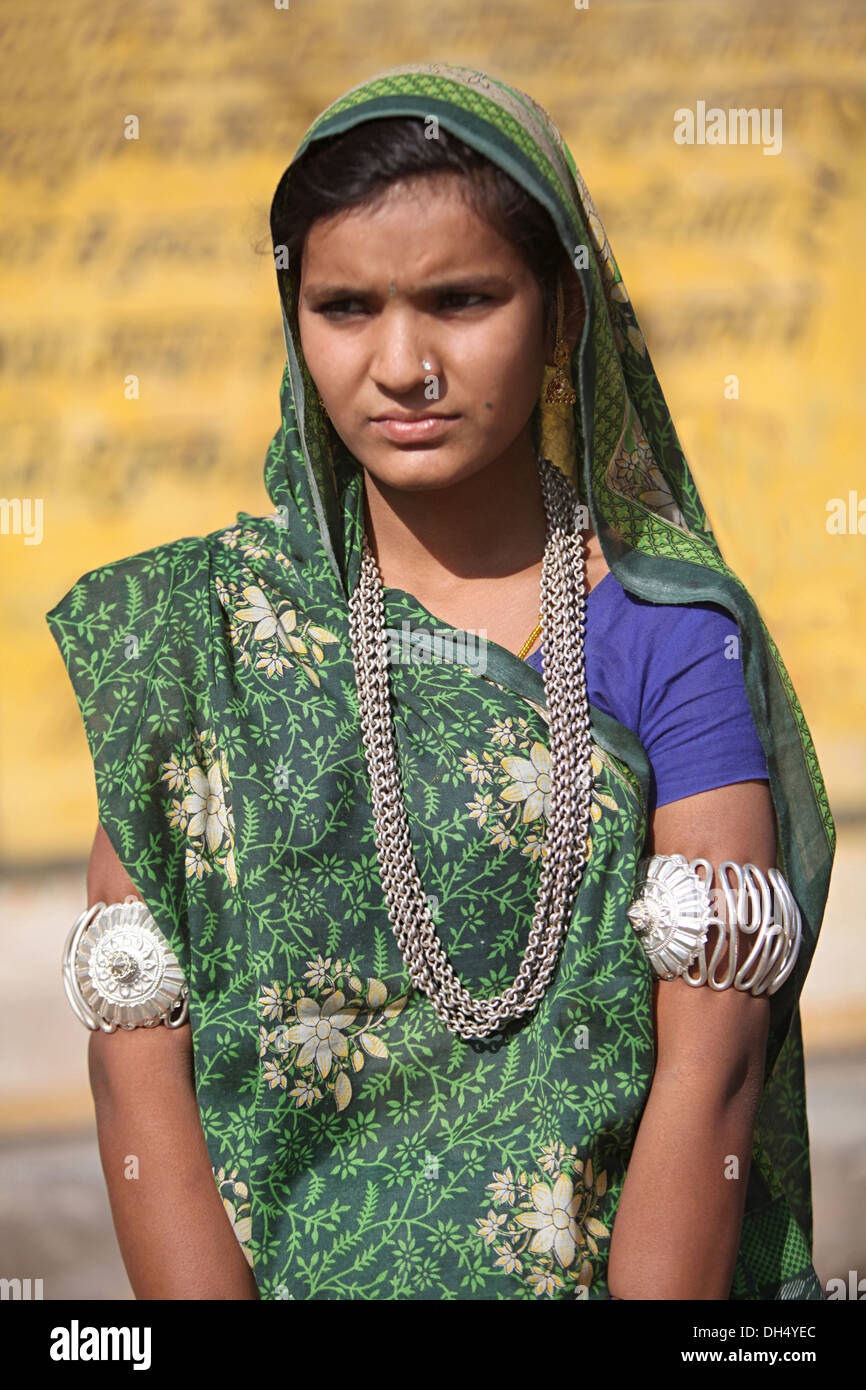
[[356, 166]]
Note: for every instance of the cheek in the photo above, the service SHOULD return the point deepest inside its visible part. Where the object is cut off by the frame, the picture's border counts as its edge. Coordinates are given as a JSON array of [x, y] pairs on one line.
[[335, 364], [327, 355], [512, 362], [312, 345], [517, 336]]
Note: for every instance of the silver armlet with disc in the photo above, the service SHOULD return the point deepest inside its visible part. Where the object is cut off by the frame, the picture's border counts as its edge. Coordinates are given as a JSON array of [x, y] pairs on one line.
[[673, 912], [119, 970]]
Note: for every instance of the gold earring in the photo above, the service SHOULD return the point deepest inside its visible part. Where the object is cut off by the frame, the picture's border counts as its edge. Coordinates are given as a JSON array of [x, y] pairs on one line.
[[556, 414], [559, 390]]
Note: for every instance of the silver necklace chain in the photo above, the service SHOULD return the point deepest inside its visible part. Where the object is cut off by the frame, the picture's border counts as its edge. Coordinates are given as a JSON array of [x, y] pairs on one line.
[[563, 612]]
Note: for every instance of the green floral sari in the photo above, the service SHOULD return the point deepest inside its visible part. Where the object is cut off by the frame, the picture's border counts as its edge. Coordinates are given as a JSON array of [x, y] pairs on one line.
[[362, 1150]]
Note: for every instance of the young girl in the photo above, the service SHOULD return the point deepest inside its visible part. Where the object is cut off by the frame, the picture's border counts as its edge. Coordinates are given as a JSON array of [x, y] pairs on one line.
[[423, 782]]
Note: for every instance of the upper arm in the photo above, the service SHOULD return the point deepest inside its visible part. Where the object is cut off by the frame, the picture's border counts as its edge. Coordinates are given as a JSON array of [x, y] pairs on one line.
[[695, 720], [718, 1036], [128, 1056], [107, 880]]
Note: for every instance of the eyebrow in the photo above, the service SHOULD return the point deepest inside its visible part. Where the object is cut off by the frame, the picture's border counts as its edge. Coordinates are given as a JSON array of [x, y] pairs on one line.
[[453, 285]]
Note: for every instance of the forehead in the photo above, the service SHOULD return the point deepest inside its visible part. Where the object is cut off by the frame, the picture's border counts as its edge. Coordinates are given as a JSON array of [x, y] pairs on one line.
[[425, 223]]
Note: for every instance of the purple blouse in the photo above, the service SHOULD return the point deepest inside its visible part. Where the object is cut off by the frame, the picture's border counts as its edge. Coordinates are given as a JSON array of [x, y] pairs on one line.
[[661, 670]]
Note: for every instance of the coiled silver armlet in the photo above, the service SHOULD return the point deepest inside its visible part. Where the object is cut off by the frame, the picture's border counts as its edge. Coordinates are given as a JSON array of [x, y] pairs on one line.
[[119, 970], [674, 910]]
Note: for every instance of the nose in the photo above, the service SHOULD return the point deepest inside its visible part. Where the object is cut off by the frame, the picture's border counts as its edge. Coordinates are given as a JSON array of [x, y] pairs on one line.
[[403, 356]]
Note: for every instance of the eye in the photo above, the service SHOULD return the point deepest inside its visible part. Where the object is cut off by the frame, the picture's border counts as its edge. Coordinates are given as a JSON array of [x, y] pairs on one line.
[[338, 308], [451, 299], [462, 296]]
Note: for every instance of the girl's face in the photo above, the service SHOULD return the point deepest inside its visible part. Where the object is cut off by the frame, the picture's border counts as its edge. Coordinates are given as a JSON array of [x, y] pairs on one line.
[[420, 277]]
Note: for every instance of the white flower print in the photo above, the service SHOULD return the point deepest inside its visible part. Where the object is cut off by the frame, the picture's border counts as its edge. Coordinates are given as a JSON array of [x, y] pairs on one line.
[[507, 1260], [502, 731], [237, 1213], [489, 1228], [532, 784], [270, 1002], [205, 806], [479, 809], [475, 769], [554, 1219], [174, 773], [550, 1221], [304, 1093], [502, 1187], [204, 813], [544, 1281], [282, 643], [274, 1074], [196, 866], [552, 1156], [318, 973], [328, 1039], [318, 1031], [533, 847], [267, 621], [524, 796]]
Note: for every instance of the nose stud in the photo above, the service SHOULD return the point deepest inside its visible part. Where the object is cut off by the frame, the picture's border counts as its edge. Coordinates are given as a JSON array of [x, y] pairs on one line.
[[426, 365]]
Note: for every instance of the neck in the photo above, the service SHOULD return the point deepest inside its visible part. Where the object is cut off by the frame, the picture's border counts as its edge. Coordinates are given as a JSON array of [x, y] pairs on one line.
[[489, 525]]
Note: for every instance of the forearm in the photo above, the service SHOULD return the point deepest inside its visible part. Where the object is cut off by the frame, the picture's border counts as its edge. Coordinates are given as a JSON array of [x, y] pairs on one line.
[[679, 1217], [174, 1235]]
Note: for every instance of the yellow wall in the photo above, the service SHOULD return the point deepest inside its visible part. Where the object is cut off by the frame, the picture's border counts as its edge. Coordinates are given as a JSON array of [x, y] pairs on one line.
[[137, 256]]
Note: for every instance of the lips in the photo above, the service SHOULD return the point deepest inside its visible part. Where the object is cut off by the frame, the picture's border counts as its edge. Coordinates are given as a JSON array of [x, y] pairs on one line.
[[405, 417], [413, 429]]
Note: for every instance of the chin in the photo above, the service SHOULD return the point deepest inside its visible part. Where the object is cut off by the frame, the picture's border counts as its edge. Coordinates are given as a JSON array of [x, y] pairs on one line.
[[421, 469]]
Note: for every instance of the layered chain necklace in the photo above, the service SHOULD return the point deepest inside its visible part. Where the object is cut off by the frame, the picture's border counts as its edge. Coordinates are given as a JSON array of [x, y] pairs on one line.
[[563, 613]]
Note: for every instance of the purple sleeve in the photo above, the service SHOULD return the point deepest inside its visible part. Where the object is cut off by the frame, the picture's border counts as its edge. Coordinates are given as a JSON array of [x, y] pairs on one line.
[[672, 674], [696, 723]]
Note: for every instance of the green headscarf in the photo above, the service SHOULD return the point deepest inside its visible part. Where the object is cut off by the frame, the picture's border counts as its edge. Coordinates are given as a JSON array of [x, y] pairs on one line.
[[362, 1150]]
